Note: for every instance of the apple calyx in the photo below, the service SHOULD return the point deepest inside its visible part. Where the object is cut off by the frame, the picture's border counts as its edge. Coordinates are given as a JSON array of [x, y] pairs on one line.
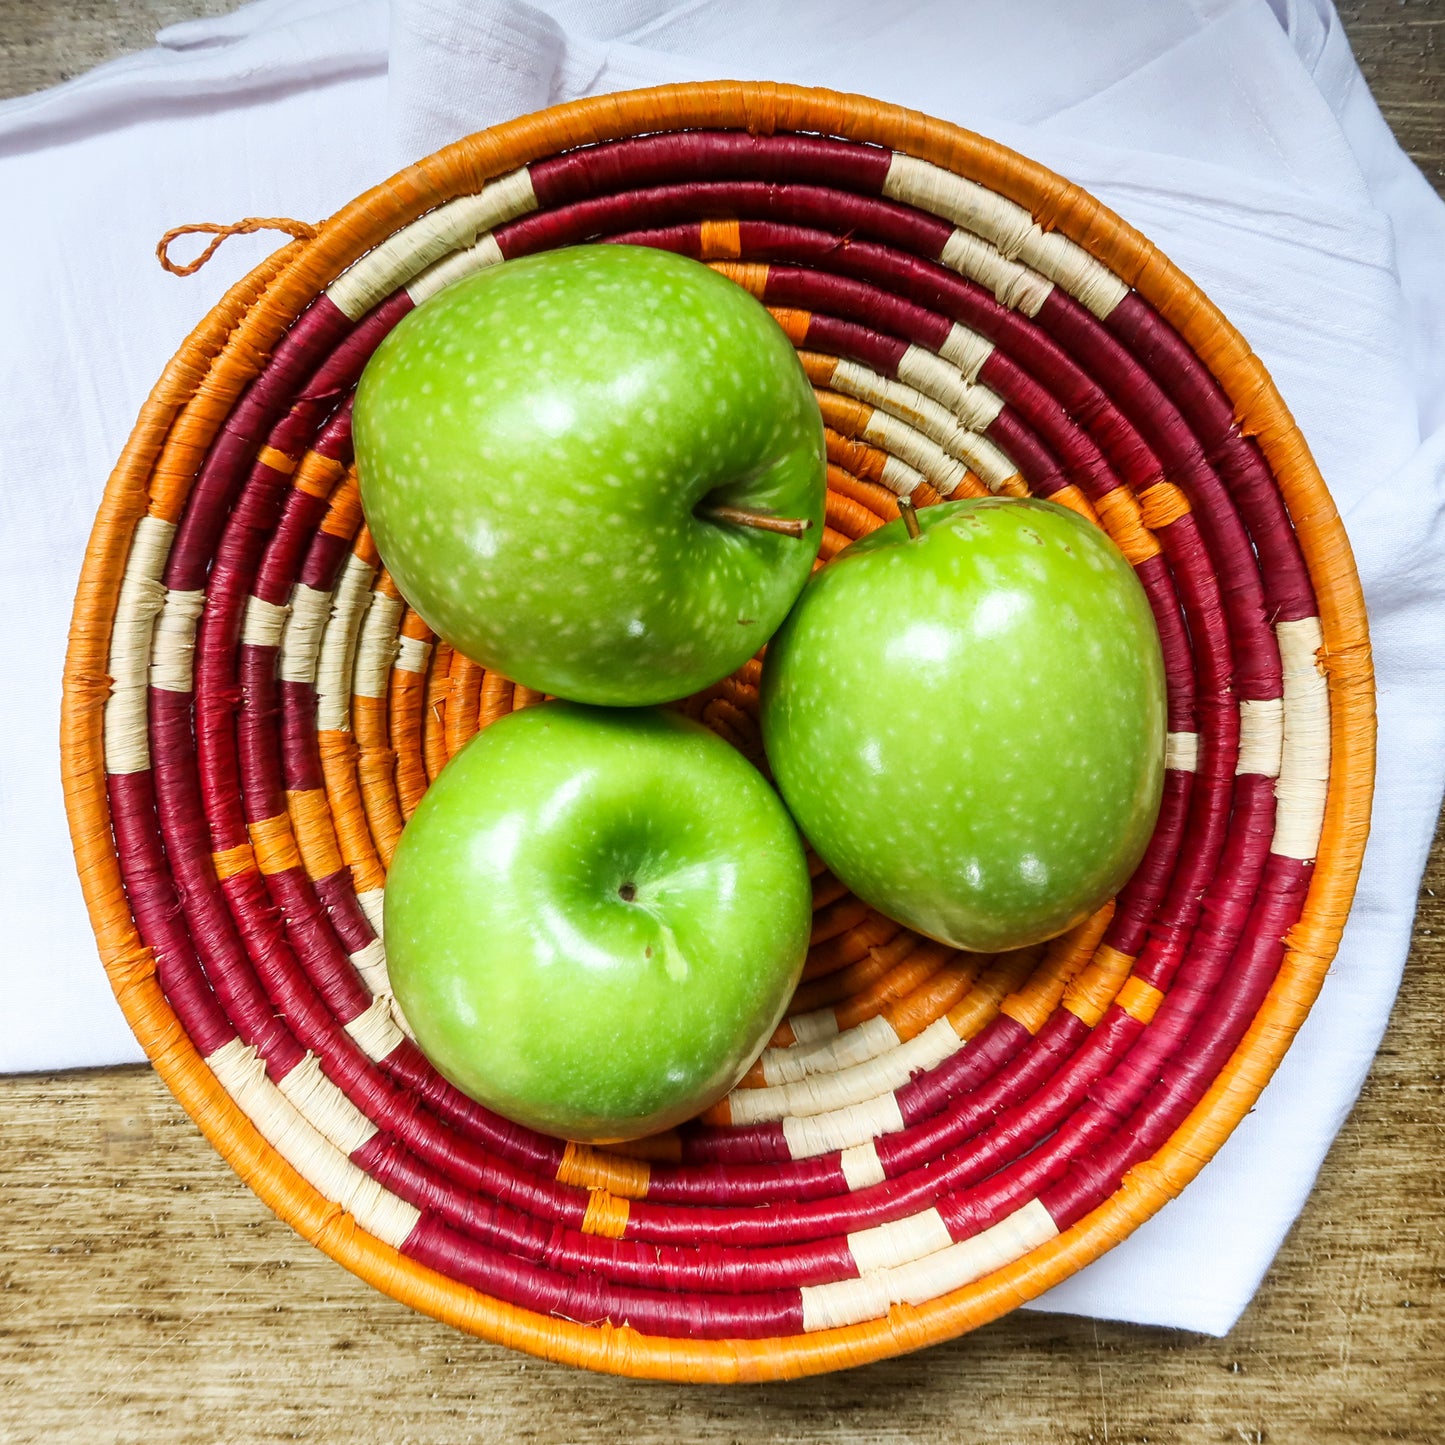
[[759, 521], [909, 513]]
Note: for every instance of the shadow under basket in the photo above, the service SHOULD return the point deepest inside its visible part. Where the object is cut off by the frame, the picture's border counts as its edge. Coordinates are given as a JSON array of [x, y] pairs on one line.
[[933, 1137]]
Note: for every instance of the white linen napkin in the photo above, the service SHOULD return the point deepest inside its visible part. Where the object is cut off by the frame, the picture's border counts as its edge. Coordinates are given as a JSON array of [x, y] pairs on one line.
[[1238, 136]]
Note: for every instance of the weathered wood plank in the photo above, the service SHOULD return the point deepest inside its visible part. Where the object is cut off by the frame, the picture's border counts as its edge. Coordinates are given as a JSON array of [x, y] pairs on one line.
[[1400, 45]]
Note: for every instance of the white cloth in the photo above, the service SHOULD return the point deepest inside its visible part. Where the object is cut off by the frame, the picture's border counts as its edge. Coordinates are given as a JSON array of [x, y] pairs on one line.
[[1239, 136]]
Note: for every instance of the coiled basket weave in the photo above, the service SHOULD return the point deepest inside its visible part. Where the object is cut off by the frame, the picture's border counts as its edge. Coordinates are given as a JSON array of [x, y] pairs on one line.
[[933, 1137]]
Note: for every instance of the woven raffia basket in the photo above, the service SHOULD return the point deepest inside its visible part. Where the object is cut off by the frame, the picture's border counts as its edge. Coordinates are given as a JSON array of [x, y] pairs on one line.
[[252, 711]]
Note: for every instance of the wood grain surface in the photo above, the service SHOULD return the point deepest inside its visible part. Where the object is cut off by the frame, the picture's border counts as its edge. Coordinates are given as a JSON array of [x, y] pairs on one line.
[[146, 1295]]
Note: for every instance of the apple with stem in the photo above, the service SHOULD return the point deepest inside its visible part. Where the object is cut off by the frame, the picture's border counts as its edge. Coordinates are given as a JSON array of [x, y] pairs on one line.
[[965, 713], [599, 470], [595, 919]]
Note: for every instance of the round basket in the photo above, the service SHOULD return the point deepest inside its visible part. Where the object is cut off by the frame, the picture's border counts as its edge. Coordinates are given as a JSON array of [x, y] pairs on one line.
[[932, 1137]]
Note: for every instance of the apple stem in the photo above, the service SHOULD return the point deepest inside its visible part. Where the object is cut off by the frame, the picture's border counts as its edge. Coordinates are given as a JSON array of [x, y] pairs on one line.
[[760, 521], [909, 513]]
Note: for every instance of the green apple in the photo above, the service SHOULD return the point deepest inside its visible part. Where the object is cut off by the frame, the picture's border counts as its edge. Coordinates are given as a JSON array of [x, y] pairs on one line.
[[571, 463], [969, 725], [595, 919]]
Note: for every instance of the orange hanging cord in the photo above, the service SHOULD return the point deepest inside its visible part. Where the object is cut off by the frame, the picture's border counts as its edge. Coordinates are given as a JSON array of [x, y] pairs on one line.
[[301, 230]]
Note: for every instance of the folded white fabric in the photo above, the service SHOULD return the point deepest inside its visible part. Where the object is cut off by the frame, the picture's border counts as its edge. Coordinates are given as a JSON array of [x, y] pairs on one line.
[[1240, 137]]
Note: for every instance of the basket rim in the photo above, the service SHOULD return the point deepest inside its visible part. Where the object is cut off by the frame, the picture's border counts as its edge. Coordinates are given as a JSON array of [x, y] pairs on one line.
[[264, 302]]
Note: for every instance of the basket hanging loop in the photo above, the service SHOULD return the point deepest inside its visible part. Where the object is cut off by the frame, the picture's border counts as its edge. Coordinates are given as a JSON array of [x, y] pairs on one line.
[[301, 230]]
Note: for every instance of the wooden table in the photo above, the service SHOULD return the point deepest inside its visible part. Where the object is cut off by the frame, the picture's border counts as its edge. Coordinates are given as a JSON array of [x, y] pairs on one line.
[[146, 1295]]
